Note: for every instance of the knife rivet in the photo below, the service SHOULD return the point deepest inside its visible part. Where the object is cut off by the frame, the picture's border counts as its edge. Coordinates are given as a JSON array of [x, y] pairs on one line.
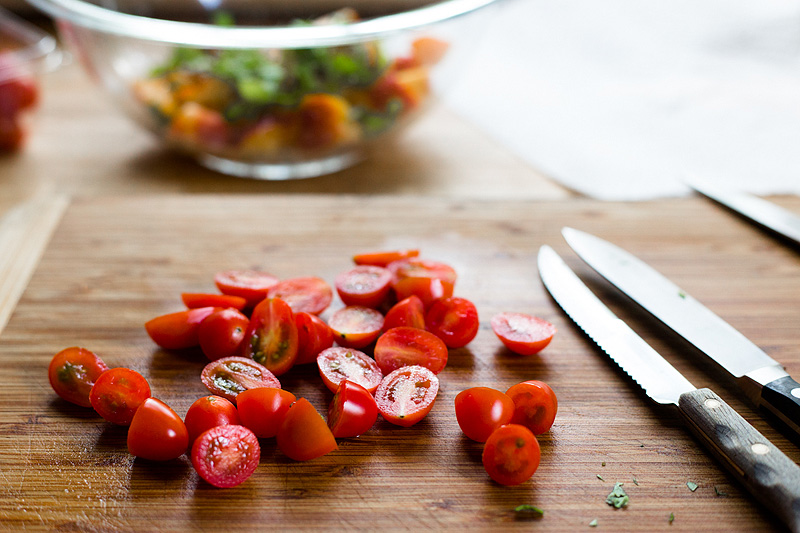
[[795, 392], [760, 449], [711, 403]]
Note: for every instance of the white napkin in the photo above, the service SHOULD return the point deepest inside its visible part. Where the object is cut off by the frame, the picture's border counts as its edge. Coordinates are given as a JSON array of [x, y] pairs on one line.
[[621, 99]]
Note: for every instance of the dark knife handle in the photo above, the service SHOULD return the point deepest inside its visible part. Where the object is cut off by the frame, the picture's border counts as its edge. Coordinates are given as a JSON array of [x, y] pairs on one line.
[[768, 474], [779, 398]]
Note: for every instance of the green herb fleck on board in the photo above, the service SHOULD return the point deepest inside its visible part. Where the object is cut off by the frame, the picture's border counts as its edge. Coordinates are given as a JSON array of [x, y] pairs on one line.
[[593, 523], [692, 486], [671, 517], [526, 508], [719, 492], [635, 481], [617, 498], [600, 477], [603, 463]]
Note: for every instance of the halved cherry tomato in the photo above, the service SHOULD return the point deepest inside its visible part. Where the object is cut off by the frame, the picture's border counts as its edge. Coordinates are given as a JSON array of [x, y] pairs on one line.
[[72, 373], [454, 320], [338, 364], [222, 332], [230, 376], [312, 295], [356, 326], [406, 346], [406, 396], [353, 410], [481, 410], [225, 456], [157, 432], [176, 331], [521, 333], [262, 410], [271, 338], [313, 336], [364, 285], [117, 394], [511, 454], [407, 312], [193, 300], [535, 405], [383, 258], [252, 285], [304, 435], [430, 280], [209, 412]]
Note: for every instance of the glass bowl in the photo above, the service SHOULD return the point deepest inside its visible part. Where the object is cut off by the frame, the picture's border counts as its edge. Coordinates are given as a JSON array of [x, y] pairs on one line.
[[272, 89]]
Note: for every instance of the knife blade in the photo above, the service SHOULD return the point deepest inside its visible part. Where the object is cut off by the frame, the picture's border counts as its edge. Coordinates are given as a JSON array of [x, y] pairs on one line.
[[764, 380], [765, 213], [767, 473]]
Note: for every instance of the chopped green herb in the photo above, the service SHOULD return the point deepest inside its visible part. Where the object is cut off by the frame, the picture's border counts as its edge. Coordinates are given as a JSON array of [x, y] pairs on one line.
[[681, 294], [671, 517], [719, 492], [526, 508], [600, 477], [603, 463], [635, 481], [593, 523], [692, 486], [617, 498]]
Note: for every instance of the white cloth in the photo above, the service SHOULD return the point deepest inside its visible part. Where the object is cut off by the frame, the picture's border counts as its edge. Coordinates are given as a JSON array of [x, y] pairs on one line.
[[621, 99]]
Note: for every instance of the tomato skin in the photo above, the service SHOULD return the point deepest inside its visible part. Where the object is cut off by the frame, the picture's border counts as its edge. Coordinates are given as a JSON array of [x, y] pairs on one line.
[[511, 454], [208, 412], [353, 410], [406, 396], [535, 405], [454, 320], [338, 364], [311, 294], [193, 300], [304, 435], [356, 326], [117, 394], [383, 258], [225, 456], [157, 432], [481, 410], [521, 333], [230, 376], [177, 331], [364, 285], [262, 410], [271, 338], [429, 280], [406, 346], [222, 332], [73, 372], [252, 285], [407, 312], [313, 336]]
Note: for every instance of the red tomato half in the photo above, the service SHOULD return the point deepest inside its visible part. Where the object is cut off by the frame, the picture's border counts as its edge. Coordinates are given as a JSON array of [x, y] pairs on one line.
[[382, 259], [226, 456], [408, 312], [262, 410], [406, 396], [117, 394], [312, 295], [430, 280], [523, 334], [252, 285], [271, 338], [193, 300], [222, 332], [176, 331], [511, 454], [406, 346], [353, 410], [72, 374], [356, 326], [313, 336], [304, 435], [364, 285], [481, 410], [338, 364], [209, 412], [157, 433], [454, 320], [230, 376], [535, 405]]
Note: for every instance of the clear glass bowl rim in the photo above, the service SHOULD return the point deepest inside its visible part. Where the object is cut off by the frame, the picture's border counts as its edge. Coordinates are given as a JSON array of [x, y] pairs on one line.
[[209, 36]]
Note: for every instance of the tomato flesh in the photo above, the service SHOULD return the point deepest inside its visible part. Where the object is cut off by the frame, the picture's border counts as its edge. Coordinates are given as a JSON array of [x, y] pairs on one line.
[[511, 454], [454, 320], [481, 410], [338, 364], [209, 412], [221, 333], [535, 405], [252, 285], [73, 372], [225, 456], [353, 410], [193, 300], [230, 376], [117, 394], [304, 435], [311, 295], [407, 312], [406, 396], [383, 258], [521, 333], [429, 280], [406, 346], [313, 336], [364, 285], [157, 432], [177, 331], [271, 338], [356, 326], [262, 410]]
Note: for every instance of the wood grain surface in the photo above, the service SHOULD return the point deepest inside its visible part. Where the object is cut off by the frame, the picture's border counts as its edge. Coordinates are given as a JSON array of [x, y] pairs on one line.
[[115, 262]]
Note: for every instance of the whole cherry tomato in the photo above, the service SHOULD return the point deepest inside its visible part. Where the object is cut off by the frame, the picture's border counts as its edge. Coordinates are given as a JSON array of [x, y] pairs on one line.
[[271, 338], [156, 432], [230, 376], [383, 258], [481, 410], [209, 412], [454, 320], [356, 326], [72, 374], [521, 333], [176, 331], [117, 394], [407, 312], [511, 454], [406, 396], [313, 336], [429, 280], [312, 294], [364, 285], [406, 346], [352, 411], [304, 435], [338, 364], [535, 405], [225, 456], [262, 410], [193, 300], [252, 285], [222, 332]]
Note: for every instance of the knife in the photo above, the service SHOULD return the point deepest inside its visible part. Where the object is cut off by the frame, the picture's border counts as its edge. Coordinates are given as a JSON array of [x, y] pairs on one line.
[[767, 473], [764, 380], [763, 212]]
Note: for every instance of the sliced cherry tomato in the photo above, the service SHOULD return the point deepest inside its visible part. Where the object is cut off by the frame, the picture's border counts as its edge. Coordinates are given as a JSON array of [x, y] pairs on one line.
[[481, 410], [353, 410], [454, 320], [271, 338], [430, 280], [356, 326], [225, 456], [304, 435], [72, 374], [193, 300], [406, 396], [230, 376], [209, 412], [117, 394], [406, 346], [312, 295], [535, 405], [157, 432], [252, 285], [521, 333], [407, 312], [176, 331], [222, 332], [364, 285], [383, 258], [338, 364], [262, 410], [313, 336], [511, 454]]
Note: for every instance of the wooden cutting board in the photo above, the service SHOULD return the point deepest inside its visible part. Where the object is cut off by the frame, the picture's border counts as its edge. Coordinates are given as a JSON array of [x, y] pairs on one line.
[[114, 263]]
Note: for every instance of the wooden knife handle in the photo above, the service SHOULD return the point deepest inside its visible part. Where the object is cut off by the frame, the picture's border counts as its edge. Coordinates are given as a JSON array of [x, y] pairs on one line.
[[768, 474], [778, 398]]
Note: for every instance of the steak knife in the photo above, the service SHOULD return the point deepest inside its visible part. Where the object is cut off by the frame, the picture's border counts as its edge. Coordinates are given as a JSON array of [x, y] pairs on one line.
[[764, 379], [772, 477]]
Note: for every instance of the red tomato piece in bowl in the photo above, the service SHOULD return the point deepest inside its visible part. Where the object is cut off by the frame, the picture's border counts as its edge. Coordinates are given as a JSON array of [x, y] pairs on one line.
[[429, 280], [454, 320], [271, 338], [73, 372], [193, 300], [511, 454], [311, 295], [117, 394], [481, 410], [356, 326], [157, 433], [252, 285], [226, 456], [364, 285], [222, 332], [304, 434], [521, 333], [535, 404], [338, 364], [230, 376], [262, 410], [407, 312], [406, 396], [177, 331], [353, 410], [383, 258], [406, 346], [209, 412]]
